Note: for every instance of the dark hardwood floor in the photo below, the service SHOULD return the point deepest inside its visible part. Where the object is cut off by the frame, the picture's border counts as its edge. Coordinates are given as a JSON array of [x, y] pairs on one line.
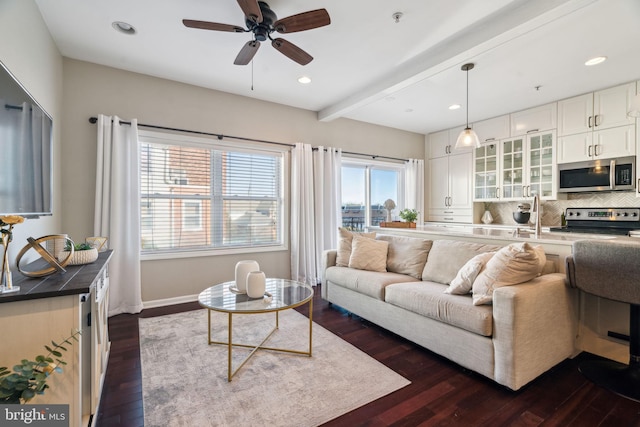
[[441, 393]]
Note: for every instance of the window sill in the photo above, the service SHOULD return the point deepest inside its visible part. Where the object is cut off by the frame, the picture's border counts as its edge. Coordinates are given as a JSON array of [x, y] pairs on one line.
[[210, 252]]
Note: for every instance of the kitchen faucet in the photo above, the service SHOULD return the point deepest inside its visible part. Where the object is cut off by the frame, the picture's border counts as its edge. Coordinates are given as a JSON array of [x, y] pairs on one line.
[[536, 209]]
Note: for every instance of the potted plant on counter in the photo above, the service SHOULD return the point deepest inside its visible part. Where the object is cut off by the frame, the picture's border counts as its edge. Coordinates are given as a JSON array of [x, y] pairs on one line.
[[83, 253], [410, 216]]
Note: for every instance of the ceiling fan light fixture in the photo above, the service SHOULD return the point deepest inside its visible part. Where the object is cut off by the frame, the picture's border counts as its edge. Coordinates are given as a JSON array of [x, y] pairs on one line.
[[124, 28], [467, 138]]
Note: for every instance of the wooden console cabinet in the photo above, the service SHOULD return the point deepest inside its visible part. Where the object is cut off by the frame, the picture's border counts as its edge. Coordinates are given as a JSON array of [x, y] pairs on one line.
[[51, 308]]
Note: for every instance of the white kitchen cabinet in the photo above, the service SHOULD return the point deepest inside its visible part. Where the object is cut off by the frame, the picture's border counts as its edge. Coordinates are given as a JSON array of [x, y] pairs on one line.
[[486, 173], [596, 125], [492, 130], [536, 119], [443, 143], [603, 109], [528, 167], [450, 194], [438, 144], [602, 144]]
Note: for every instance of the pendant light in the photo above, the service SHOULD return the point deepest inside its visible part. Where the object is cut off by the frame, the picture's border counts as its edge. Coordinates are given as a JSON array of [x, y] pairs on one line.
[[467, 138]]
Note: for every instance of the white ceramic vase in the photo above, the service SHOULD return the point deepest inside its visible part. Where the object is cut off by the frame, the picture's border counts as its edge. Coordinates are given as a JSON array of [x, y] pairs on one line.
[[256, 284], [487, 218], [243, 268]]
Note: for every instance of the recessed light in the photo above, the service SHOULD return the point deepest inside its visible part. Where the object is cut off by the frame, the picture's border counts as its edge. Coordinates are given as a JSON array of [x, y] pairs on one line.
[[454, 107], [304, 80], [595, 61], [123, 27]]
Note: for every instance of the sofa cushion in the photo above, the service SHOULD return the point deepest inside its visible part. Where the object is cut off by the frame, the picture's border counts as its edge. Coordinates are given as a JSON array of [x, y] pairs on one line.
[[428, 299], [463, 282], [407, 255], [513, 264], [368, 254], [447, 257], [369, 283], [344, 245]]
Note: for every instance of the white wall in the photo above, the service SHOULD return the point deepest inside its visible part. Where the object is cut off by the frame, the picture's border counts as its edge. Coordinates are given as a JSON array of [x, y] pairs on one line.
[[27, 50], [91, 89]]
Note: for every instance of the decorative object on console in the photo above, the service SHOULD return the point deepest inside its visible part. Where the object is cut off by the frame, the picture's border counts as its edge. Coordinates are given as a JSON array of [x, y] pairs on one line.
[[81, 253], [256, 284], [100, 243], [6, 281], [55, 243], [243, 268], [389, 205]]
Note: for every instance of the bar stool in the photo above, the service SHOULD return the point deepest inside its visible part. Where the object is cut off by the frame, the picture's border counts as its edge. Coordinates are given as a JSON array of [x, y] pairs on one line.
[[611, 269]]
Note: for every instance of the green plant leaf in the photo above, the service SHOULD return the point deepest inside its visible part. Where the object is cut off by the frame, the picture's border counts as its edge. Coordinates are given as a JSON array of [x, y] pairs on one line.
[[56, 353], [49, 349], [28, 394]]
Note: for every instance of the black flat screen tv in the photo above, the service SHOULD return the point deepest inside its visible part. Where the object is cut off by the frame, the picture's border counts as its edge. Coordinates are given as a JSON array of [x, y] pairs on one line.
[[26, 180]]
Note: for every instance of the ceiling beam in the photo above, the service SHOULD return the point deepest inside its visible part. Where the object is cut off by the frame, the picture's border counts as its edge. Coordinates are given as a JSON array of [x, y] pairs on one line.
[[506, 24]]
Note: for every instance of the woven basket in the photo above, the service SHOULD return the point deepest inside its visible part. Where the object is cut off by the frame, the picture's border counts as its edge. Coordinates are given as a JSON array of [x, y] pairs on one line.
[[80, 257]]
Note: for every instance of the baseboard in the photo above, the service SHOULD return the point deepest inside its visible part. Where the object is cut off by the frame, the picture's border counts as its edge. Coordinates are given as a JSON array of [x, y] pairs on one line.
[[169, 301]]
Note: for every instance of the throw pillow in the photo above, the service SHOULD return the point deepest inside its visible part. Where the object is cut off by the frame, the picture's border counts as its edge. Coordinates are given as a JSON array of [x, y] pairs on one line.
[[368, 254], [344, 245], [463, 282], [511, 265], [407, 255], [447, 257]]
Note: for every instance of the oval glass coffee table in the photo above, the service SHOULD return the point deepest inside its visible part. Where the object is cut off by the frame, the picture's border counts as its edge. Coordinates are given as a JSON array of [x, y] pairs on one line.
[[281, 294]]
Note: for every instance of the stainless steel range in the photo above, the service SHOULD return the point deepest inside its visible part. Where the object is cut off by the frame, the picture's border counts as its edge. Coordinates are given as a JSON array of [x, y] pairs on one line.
[[618, 221]]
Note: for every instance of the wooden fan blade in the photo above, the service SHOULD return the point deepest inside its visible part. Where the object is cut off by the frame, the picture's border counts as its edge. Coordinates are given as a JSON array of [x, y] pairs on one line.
[[247, 52], [303, 21], [292, 51], [204, 25], [251, 10]]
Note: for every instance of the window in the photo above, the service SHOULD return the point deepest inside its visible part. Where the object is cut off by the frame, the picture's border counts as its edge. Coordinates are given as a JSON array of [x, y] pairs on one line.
[[199, 194], [365, 188]]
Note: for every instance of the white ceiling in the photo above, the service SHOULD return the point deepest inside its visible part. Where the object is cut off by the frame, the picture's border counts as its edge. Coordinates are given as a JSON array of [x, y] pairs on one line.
[[367, 67]]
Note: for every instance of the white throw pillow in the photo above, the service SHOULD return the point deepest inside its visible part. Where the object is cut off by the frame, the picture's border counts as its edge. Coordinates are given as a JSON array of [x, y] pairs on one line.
[[513, 264], [368, 254], [344, 245], [463, 282]]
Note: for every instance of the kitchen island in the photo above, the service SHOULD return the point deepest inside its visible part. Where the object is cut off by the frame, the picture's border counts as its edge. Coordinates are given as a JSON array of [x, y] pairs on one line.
[[601, 322]]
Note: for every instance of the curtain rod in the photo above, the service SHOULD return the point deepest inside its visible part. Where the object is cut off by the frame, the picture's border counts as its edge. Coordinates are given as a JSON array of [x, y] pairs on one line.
[[94, 120]]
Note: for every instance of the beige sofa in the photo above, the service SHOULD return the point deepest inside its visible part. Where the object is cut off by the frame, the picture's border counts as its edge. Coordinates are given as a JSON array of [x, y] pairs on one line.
[[525, 330]]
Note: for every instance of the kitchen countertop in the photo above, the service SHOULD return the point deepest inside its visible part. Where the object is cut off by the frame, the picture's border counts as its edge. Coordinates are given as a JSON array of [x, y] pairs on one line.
[[77, 280], [500, 232]]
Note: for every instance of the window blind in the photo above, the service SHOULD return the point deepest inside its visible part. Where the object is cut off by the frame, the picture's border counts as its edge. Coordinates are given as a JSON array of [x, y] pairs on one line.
[[195, 197]]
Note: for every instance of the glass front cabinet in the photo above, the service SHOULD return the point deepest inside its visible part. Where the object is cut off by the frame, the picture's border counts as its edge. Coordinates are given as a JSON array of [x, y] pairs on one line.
[[528, 167], [486, 173]]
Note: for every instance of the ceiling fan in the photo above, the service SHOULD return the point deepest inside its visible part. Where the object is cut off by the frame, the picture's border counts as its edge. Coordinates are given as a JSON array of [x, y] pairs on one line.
[[262, 21]]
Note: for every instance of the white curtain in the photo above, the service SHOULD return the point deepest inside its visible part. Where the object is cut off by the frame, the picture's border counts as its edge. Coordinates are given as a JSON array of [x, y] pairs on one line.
[[327, 167], [303, 251], [315, 208], [414, 187], [117, 210]]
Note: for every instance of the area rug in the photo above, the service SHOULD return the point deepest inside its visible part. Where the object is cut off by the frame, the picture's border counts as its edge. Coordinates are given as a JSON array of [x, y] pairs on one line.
[[185, 380]]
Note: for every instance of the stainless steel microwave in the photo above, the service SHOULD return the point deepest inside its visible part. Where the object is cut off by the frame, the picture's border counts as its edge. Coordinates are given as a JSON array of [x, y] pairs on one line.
[[597, 175]]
